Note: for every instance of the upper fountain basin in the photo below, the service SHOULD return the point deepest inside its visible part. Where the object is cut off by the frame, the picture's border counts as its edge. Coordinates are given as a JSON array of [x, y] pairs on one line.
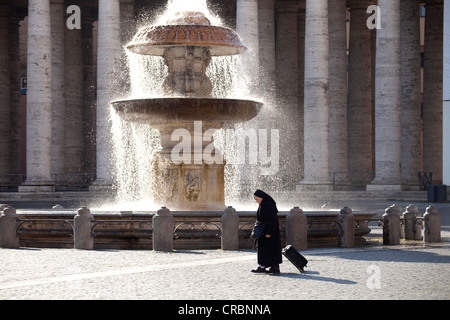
[[157, 111], [186, 29]]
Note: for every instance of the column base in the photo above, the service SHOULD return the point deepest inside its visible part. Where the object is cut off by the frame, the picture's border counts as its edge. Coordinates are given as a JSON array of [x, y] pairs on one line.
[[36, 187], [384, 187], [101, 187], [314, 186], [410, 186]]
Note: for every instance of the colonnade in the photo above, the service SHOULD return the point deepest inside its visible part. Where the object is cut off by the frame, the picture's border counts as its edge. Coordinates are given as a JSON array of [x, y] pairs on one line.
[[339, 111]]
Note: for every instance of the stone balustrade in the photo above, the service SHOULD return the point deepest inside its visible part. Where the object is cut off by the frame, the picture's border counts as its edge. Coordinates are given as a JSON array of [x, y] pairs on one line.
[[166, 230]]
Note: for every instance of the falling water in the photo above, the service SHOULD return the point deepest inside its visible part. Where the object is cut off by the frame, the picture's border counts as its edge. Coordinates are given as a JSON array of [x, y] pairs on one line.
[[174, 6], [133, 147]]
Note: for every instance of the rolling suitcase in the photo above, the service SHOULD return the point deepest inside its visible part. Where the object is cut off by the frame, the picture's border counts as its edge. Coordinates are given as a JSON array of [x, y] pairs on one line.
[[295, 257]]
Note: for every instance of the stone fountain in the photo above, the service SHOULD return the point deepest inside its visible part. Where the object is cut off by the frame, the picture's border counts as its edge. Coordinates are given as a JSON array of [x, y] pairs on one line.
[[191, 177]]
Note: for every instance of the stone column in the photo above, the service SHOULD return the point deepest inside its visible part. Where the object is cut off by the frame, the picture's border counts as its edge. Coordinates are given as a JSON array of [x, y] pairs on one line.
[[287, 92], [316, 105], [108, 49], [388, 100], [411, 111], [433, 90], [338, 85], [5, 90], [58, 85], [360, 89], [266, 27], [411, 229], [247, 28], [39, 98], [230, 230], [73, 126]]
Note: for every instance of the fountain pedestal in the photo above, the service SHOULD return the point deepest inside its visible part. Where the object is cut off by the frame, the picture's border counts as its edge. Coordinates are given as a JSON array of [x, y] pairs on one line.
[[197, 187], [188, 172]]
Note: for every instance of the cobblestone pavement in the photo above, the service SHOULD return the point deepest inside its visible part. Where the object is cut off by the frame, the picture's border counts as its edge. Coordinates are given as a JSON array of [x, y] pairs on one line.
[[408, 271], [396, 272]]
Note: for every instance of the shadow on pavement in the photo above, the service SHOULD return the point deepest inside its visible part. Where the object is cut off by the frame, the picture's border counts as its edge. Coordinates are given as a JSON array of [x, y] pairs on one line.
[[313, 275]]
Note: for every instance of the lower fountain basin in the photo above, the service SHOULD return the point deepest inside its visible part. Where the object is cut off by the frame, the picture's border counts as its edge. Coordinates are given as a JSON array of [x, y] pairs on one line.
[[155, 111]]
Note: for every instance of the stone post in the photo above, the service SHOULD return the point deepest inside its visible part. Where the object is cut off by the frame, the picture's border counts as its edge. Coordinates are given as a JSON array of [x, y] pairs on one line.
[[347, 223], [391, 225], [296, 229], [8, 224], [432, 230], [83, 222], [5, 90], [411, 229], [230, 230], [163, 230]]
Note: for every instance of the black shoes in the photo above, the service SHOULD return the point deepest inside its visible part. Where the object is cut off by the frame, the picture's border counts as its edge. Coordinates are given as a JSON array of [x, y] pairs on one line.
[[274, 271], [259, 270], [263, 270]]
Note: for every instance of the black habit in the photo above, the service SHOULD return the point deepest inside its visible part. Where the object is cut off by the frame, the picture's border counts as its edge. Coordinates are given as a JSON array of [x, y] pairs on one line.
[[268, 249]]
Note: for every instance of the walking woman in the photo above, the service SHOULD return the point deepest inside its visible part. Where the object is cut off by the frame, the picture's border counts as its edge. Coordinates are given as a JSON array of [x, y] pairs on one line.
[[268, 246]]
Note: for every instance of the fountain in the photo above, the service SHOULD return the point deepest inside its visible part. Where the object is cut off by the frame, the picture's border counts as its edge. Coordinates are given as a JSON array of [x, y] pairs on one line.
[[188, 171]]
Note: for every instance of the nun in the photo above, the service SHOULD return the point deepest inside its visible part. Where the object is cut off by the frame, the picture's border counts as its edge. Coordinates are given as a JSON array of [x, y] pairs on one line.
[[268, 245]]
